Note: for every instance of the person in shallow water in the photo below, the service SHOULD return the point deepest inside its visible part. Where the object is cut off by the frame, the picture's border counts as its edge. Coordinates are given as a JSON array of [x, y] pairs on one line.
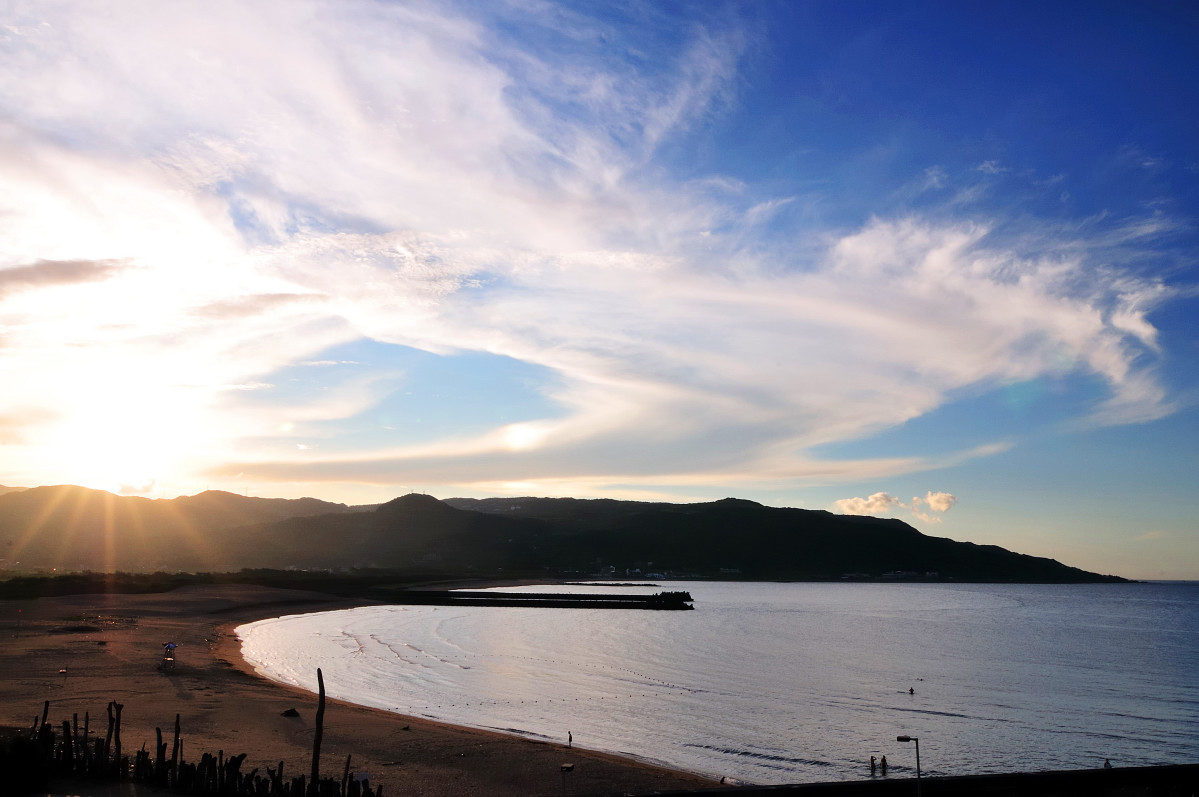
[[883, 765], [872, 765]]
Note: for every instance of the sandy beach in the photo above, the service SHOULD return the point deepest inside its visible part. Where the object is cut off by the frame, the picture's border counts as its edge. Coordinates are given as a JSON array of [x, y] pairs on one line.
[[80, 652]]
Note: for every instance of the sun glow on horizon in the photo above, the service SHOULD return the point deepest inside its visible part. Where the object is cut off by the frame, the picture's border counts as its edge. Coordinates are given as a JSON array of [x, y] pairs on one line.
[[120, 438]]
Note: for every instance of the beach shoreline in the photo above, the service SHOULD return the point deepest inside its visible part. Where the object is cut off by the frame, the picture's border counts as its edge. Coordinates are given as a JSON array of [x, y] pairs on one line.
[[82, 651]]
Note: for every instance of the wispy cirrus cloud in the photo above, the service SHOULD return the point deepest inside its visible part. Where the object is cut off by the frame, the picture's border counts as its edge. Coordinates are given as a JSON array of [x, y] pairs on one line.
[[47, 273], [277, 179]]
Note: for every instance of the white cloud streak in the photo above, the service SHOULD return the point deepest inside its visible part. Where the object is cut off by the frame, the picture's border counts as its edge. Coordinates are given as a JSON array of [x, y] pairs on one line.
[[276, 178]]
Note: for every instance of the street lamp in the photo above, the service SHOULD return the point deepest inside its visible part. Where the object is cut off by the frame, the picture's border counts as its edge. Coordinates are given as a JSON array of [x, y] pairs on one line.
[[919, 791], [565, 768]]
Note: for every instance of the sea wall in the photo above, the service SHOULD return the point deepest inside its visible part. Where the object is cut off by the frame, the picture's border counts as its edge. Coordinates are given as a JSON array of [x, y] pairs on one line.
[[422, 597], [1162, 781]]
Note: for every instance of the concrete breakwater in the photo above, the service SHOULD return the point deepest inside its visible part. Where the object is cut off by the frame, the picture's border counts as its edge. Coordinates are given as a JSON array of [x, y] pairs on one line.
[[659, 601]]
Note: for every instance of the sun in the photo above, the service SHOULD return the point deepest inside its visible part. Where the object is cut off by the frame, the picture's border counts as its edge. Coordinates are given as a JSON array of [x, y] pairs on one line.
[[120, 441], [107, 453]]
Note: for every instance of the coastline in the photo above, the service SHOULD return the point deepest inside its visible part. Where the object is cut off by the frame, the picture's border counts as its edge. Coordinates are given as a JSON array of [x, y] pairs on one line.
[[82, 651]]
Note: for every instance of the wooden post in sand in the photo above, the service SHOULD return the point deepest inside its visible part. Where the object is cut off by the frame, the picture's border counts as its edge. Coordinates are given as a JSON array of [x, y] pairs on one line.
[[320, 730], [108, 738], [116, 737], [67, 750], [174, 773], [84, 748], [160, 759]]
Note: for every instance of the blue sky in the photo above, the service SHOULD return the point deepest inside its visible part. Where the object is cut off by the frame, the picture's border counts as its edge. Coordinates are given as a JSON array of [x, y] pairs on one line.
[[928, 260]]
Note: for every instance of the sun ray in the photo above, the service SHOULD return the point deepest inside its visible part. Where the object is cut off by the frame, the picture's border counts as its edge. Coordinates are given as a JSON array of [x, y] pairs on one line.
[[30, 531]]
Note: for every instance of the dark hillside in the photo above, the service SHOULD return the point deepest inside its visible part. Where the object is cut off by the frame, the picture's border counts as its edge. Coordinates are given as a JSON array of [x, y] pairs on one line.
[[414, 532], [576, 511], [761, 542], [729, 538], [71, 528], [75, 528]]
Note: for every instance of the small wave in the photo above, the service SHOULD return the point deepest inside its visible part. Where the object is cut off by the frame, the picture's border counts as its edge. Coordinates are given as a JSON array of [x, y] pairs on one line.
[[937, 713], [760, 756], [519, 732]]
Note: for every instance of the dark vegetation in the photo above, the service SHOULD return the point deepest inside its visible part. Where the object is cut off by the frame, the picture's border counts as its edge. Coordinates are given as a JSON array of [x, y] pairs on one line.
[[350, 584], [419, 538]]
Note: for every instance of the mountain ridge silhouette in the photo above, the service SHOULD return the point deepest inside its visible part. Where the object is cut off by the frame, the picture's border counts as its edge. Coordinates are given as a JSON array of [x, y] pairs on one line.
[[76, 528]]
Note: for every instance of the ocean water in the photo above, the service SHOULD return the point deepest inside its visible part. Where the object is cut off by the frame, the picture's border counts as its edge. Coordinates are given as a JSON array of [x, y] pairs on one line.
[[788, 683]]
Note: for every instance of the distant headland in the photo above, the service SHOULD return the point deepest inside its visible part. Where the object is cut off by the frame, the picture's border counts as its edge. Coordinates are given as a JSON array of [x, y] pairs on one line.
[[418, 537]]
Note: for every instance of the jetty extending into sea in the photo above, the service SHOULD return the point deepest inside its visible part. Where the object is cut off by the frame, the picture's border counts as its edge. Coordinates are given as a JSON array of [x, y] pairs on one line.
[[423, 597]]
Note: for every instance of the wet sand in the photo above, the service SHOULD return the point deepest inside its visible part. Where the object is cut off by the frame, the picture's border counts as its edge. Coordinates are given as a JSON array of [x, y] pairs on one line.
[[110, 645]]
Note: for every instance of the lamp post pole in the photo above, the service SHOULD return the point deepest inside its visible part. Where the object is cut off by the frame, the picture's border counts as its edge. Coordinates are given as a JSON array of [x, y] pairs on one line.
[[919, 789]]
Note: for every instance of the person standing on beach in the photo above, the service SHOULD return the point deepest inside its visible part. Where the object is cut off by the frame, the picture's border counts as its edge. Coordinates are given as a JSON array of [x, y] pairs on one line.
[[872, 766], [883, 766], [570, 739]]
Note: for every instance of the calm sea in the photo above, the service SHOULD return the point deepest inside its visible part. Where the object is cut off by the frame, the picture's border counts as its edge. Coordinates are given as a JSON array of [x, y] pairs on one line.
[[789, 683]]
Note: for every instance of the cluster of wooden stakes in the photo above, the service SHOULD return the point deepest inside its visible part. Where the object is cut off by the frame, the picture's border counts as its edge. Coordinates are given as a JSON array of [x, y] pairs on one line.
[[73, 753]]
